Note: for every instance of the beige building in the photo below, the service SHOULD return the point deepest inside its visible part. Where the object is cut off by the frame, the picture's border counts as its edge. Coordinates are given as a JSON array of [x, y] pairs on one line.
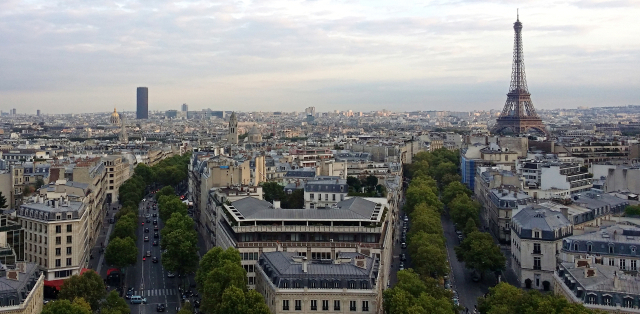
[[22, 291], [58, 234], [117, 171], [291, 283]]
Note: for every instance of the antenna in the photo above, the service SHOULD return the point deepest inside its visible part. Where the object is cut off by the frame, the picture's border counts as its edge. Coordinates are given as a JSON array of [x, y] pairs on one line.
[[518, 14]]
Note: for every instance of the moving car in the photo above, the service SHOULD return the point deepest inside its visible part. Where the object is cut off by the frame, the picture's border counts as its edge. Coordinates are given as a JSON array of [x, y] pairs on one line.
[[146, 239], [403, 257], [155, 215], [148, 253], [155, 222], [155, 243], [155, 228], [160, 308], [401, 266], [136, 299], [156, 235], [154, 259], [170, 274], [146, 230]]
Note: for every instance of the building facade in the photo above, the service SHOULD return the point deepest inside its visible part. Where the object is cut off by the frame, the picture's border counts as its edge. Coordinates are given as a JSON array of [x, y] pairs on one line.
[[142, 103]]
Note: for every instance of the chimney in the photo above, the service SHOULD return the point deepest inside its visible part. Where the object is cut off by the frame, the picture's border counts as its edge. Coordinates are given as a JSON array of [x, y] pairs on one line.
[[304, 264], [616, 280], [565, 212], [276, 204]]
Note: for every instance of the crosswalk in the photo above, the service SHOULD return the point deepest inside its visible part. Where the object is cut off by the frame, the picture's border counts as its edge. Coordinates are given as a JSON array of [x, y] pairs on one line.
[[155, 292]]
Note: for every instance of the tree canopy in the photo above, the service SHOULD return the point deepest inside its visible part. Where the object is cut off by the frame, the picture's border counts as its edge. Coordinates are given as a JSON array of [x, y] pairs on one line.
[[479, 252], [78, 306], [121, 252], [88, 286]]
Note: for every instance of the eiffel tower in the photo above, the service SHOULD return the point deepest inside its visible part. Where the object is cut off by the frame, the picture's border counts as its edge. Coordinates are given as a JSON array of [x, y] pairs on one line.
[[518, 114]]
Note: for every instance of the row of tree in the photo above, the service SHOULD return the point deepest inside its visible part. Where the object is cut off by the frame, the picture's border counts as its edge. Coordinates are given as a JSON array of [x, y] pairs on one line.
[[222, 281], [86, 294], [420, 290], [367, 186], [274, 191]]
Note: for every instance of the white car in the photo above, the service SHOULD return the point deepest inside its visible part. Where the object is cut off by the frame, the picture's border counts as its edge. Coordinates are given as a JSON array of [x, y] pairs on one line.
[[170, 274]]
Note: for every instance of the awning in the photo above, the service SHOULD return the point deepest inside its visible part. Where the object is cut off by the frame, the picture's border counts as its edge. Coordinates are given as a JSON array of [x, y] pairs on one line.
[[57, 284]]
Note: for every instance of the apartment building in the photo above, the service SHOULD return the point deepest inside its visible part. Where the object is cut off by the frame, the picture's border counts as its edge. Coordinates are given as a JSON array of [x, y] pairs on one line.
[[536, 239], [58, 237], [355, 225], [22, 291], [291, 283], [323, 192], [117, 171]]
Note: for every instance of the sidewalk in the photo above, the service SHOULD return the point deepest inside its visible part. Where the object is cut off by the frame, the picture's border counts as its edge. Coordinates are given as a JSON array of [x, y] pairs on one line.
[[97, 262]]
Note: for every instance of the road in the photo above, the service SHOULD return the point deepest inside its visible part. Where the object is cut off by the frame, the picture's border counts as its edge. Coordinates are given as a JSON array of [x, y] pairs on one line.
[[468, 290]]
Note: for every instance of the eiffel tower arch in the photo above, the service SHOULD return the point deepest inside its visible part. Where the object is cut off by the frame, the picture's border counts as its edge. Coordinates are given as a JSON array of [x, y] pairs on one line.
[[519, 116]]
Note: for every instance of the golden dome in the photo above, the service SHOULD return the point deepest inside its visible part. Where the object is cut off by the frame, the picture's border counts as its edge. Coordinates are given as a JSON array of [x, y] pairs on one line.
[[115, 117]]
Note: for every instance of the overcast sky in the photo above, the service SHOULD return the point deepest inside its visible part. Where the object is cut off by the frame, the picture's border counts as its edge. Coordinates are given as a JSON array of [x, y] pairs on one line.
[[89, 56]]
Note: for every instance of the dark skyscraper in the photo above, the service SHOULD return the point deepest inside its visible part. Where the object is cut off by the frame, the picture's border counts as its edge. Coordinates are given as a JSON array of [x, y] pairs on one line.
[[142, 111]]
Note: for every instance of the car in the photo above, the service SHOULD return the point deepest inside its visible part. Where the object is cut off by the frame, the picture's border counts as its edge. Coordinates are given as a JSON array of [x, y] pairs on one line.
[[403, 245], [156, 235], [160, 307], [155, 215], [148, 220], [170, 274], [143, 223], [129, 293], [148, 253], [112, 220], [155, 243], [401, 266], [146, 239], [406, 218], [154, 259], [147, 215], [456, 301], [475, 276], [136, 299], [458, 232], [460, 238], [403, 257], [146, 230], [155, 222]]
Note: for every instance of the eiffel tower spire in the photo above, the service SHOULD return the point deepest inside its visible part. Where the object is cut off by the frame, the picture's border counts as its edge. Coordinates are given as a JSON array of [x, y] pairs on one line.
[[518, 114]]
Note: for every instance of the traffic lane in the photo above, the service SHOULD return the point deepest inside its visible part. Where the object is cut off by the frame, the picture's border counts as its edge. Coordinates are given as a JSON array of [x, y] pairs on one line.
[[461, 278]]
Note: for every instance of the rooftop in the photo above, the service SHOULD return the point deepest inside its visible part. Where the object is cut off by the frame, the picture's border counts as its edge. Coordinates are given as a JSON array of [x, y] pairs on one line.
[[540, 218]]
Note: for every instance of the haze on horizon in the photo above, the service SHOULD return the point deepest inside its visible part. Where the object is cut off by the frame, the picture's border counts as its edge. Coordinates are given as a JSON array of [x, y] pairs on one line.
[[89, 56]]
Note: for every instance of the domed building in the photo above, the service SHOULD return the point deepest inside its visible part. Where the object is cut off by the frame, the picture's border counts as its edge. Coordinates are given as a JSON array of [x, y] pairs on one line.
[[115, 117], [254, 135]]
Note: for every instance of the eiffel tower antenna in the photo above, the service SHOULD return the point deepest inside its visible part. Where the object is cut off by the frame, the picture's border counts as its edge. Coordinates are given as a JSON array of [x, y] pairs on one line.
[[518, 114]]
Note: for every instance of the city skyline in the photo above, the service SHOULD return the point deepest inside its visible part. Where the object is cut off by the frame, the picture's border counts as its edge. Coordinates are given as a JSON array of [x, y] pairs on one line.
[[286, 56]]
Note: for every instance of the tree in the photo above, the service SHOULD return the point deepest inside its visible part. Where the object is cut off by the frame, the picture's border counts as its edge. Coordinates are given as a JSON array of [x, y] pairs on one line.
[[125, 227], [452, 190], [121, 252], [235, 301], [505, 298], [412, 296], [171, 204], [145, 172], [178, 221], [371, 181], [215, 258], [429, 254], [114, 304], [425, 219], [165, 191], [186, 309], [295, 200], [470, 227], [443, 169], [3, 201], [417, 194], [88, 286], [630, 210], [229, 274], [272, 191], [180, 253], [479, 252], [461, 208], [78, 306]]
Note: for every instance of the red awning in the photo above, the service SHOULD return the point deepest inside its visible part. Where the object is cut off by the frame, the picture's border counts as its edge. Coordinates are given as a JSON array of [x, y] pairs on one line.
[[57, 284]]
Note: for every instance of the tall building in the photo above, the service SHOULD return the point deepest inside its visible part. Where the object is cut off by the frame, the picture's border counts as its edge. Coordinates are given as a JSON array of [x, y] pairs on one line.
[[185, 107], [233, 129], [519, 116], [142, 109], [38, 112], [14, 112]]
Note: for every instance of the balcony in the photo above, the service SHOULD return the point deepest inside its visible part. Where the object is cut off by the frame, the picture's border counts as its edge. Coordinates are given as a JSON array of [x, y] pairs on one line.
[[537, 252], [280, 228]]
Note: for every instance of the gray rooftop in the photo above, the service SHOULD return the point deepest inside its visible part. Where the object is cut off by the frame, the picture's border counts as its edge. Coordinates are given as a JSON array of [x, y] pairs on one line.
[[329, 186], [540, 218], [603, 280], [355, 208]]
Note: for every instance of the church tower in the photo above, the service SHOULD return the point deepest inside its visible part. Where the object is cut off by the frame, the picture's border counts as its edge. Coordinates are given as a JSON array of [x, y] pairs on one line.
[[233, 129]]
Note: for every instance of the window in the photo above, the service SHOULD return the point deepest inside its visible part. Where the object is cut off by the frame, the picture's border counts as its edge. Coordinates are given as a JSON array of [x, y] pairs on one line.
[[311, 196], [58, 240], [612, 262], [352, 306], [623, 264], [336, 305], [575, 246], [365, 306], [536, 263], [627, 302], [58, 229], [610, 249], [68, 261], [334, 197], [325, 305], [536, 248], [314, 305], [589, 247], [633, 265], [285, 305], [69, 228], [606, 300], [58, 263], [68, 250], [58, 251], [326, 197], [592, 299], [69, 239], [298, 305], [536, 234]]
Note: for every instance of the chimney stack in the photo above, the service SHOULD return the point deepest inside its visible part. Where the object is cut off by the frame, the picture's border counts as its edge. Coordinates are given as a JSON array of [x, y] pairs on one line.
[[276, 204], [565, 212], [616, 280], [304, 264]]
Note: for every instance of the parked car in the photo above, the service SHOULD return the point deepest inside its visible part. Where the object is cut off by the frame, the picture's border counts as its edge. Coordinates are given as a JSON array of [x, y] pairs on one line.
[[136, 299], [155, 228], [156, 235], [475, 276], [161, 308], [406, 218], [155, 243], [112, 220], [154, 259], [170, 274], [146, 230], [403, 257], [401, 266], [403, 245], [155, 222]]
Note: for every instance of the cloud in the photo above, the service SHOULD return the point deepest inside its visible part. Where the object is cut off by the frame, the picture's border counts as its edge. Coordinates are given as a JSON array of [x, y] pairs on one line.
[[90, 55]]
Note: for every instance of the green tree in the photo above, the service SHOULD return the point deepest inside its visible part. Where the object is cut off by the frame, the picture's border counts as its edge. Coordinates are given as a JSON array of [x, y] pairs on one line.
[[114, 304], [121, 252], [412, 296], [125, 227], [295, 200], [165, 191], [630, 210], [479, 252], [213, 259], [235, 301], [272, 191], [39, 183], [229, 274], [443, 169], [88, 286], [170, 205], [452, 190], [461, 208], [371, 181], [417, 194], [180, 253], [429, 255], [3, 201], [178, 221], [78, 306], [425, 219], [470, 227], [145, 172], [186, 309]]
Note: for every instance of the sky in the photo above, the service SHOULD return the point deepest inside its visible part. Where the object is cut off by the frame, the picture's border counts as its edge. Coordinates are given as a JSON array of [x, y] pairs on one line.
[[89, 56]]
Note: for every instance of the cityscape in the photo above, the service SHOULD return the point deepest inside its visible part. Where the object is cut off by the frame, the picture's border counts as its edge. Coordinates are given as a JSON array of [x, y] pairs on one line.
[[142, 208]]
